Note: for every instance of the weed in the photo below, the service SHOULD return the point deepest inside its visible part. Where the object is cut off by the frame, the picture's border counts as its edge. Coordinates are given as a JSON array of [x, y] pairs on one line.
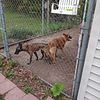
[[27, 89], [1, 97], [11, 63], [56, 90], [9, 74], [1, 64]]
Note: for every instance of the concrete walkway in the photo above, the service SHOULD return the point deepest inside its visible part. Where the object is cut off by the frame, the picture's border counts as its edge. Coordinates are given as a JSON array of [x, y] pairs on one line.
[[12, 92]]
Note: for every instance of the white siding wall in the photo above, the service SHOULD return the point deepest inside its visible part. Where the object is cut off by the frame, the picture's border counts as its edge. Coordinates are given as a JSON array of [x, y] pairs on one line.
[[90, 82]]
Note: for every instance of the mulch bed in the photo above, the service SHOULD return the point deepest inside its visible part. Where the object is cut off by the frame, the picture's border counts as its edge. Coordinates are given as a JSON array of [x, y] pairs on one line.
[[25, 79]]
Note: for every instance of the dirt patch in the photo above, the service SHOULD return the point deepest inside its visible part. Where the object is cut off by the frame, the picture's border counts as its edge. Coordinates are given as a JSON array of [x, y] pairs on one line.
[[64, 68]]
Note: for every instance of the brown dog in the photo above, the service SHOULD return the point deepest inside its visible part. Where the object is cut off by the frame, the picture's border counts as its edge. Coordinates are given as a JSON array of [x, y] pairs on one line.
[[59, 43], [46, 54], [30, 48]]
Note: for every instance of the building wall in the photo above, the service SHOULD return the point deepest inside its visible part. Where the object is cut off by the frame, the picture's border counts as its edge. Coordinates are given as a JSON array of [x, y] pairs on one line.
[[90, 81]]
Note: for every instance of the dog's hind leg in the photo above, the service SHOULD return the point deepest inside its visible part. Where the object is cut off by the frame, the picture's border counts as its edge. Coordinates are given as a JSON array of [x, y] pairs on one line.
[[36, 55], [56, 53], [53, 54], [42, 52]]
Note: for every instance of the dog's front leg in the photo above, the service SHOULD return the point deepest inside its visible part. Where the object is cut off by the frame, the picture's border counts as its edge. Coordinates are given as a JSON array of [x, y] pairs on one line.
[[62, 49], [30, 59], [36, 55]]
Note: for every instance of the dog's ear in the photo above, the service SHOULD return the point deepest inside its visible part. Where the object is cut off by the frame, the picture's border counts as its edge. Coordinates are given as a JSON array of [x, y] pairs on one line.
[[65, 34], [68, 37]]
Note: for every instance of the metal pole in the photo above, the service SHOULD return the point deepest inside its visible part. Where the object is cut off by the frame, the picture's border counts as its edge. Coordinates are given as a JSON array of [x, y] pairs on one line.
[[48, 15], [3, 30], [82, 53], [79, 44], [42, 16]]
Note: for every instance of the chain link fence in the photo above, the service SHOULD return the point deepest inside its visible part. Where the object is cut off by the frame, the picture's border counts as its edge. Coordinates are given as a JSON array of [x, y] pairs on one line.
[[29, 18], [25, 19]]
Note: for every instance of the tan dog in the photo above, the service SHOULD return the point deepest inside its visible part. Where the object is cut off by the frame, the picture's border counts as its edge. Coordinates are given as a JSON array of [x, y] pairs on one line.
[[46, 54], [30, 48], [59, 43]]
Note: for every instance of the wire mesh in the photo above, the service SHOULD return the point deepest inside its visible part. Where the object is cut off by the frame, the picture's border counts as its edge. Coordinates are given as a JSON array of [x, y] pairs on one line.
[[23, 18], [1, 40], [28, 18]]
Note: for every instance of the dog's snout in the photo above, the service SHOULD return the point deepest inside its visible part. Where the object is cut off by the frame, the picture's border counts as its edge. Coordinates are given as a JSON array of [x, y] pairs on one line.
[[70, 37], [16, 52]]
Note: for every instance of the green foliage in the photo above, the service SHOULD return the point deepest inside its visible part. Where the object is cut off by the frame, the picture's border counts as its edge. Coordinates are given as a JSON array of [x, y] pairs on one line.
[[81, 9], [1, 64], [20, 34], [27, 89], [7, 64], [9, 74], [23, 6], [11, 63], [1, 97], [23, 18], [57, 88]]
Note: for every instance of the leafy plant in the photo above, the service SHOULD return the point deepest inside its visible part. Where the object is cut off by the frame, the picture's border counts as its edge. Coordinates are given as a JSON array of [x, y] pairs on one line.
[[9, 74], [57, 88], [1, 97], [11, 63], [1, 64], [27, 89]]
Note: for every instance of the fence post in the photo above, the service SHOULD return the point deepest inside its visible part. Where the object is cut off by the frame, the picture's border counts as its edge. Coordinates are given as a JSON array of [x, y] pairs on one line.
[[42, 16], [3, 30], [82, 52], [79, 43], [48, 10]]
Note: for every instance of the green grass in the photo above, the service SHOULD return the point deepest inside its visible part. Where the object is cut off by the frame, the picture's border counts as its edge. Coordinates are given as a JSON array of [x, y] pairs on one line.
[[17, 22], [1, 38], [21, 21]]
